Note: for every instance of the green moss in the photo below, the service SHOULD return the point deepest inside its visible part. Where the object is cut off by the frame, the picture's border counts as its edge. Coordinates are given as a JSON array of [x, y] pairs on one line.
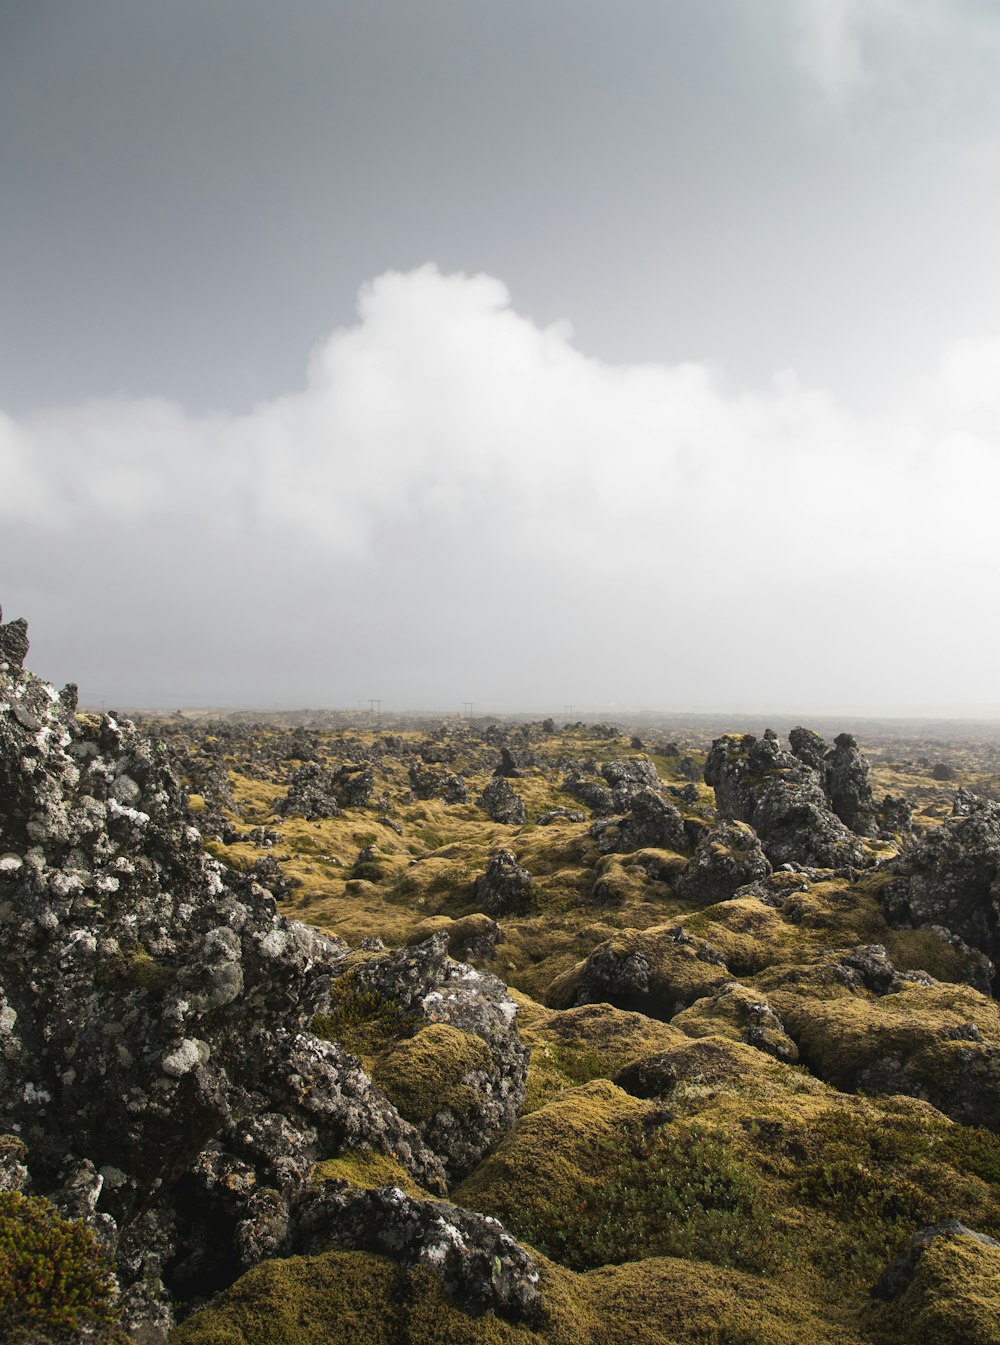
[[366, 1170], [135, 969], [53, 1275], [426, 1072], [596, 1177]]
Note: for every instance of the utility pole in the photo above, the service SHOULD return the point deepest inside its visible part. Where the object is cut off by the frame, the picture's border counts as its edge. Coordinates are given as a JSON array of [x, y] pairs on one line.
[[374, 702], [467, 708]]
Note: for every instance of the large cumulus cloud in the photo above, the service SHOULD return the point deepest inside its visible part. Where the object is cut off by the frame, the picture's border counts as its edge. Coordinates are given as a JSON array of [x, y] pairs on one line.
[[461, 504]]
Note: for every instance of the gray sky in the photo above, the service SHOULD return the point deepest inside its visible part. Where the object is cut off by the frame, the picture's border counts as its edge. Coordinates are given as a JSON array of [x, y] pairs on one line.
[[529, 353]]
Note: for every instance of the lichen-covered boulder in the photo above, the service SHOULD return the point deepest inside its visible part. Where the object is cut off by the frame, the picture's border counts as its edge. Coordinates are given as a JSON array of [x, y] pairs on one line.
[[506, 888], [501, 803], [428, 783], [651, 823], [726, 858], [953, 877], [311, 794], [782, 798], [457, 1070]]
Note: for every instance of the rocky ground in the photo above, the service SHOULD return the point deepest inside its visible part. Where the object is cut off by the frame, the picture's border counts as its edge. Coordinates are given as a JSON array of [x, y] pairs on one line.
[[479, 1032]]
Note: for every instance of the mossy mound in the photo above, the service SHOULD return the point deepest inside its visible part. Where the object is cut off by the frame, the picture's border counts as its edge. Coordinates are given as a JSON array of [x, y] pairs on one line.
[[954, 1298], [431, 1070], [655, 971], [344, 1297], [367, 1170]]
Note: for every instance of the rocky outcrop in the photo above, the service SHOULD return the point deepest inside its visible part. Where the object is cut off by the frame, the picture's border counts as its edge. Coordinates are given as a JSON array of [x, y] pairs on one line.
[[848, 787], [506, 888], [501, 803], [458, 1070], [507, 766], [478, 1263], [782, 798], [726, 858], [626, 776], [651, 823], [156, 1057], [427, 783], [311, 794], [596, 795], [952, 878]]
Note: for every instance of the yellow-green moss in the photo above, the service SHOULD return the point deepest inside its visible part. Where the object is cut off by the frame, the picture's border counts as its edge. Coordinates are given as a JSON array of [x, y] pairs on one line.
[[954, 1298], [367, 1170], [53, 1274], [424, 1073]]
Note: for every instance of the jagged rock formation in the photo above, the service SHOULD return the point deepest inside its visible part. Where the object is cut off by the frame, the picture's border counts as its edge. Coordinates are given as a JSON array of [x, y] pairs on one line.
[[782, 797], [506, 888], [501, 803], [651, 822], [953, 878], [592, 792], [431, 784], [726, 858], [155, 1053], [507, 766]]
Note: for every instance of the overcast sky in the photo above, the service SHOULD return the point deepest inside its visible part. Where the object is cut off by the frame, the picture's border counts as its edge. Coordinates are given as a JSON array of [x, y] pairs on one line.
[[528, 352]]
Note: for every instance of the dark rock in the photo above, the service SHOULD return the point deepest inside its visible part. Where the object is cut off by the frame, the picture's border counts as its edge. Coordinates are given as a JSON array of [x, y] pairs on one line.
[[311, 794], [593, 793], [895, 817], [782, 798], [507, 766], [942, 771], [689, 769], [14, 642], [424, 984], [953, 877], [560, 814], [810, 748], [848, 787], [501, 804], [478, 1263], [630, 770], [431, 784], [726, 858], [652, 822], [506, 888]]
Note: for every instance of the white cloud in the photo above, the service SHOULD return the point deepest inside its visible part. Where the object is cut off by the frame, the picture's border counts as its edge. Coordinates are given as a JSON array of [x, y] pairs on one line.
[[460, 499], [901, 48]]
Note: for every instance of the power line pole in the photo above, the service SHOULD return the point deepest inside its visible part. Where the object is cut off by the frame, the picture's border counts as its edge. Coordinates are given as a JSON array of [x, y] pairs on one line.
[[467, 708], [373, 701]]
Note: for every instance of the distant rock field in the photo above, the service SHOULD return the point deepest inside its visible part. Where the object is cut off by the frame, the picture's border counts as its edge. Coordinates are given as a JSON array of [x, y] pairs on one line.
[[486, 1033]]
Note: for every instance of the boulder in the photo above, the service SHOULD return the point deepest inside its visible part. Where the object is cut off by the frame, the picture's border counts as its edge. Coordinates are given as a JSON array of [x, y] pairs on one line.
[[726, 858], [953, 877], [506, 888], [502, 804]]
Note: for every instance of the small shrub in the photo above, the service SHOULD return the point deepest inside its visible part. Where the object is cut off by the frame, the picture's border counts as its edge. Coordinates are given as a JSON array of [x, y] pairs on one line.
[[678, 1192], [53, 1274]]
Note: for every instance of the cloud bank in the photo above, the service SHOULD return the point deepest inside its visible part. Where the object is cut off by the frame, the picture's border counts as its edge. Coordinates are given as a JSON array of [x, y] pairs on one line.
[[459, 504]]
